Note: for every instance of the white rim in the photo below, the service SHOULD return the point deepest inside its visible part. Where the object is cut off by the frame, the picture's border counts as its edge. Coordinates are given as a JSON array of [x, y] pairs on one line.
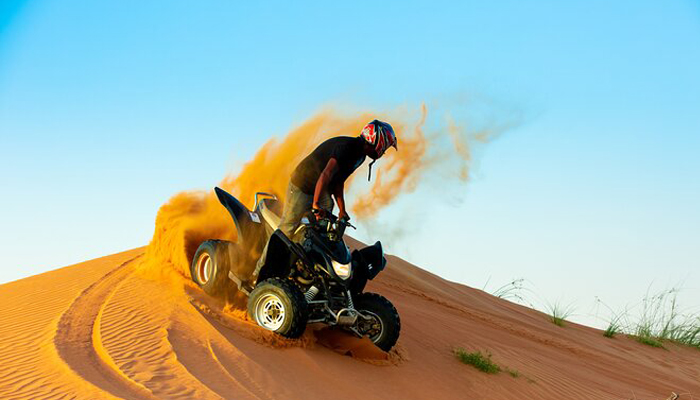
[[270, 312], [378, 335], [204, 268]]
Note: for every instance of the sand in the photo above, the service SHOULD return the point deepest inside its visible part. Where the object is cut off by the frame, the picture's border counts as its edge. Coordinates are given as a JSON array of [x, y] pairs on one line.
[[103, 329]]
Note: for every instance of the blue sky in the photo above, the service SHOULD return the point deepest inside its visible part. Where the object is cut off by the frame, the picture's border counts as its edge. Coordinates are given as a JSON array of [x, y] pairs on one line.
[[109, 108]]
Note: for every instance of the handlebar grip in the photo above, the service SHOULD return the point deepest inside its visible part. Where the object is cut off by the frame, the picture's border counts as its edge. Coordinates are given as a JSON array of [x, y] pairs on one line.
[[346, 223]]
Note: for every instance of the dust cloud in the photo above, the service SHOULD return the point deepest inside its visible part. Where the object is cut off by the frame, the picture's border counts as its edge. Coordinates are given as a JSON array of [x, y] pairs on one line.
[[191, 217]]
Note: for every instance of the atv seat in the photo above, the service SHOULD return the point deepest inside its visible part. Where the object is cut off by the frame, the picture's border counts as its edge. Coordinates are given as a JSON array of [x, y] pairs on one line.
[[271, 211]]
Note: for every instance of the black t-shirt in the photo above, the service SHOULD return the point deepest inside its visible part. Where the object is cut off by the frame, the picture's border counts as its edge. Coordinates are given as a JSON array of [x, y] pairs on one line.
[[347, 151]]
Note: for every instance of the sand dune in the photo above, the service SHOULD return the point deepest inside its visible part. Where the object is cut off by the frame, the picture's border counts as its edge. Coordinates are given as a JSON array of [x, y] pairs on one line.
[[104, 329]]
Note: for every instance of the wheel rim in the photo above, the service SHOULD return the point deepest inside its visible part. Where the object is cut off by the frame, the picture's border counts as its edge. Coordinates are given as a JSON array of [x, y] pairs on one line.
[[270, 312], [375, 328], [204, 268]]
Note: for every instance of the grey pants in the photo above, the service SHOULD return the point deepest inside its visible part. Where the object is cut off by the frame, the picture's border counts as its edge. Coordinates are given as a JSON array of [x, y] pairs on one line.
[[297, 204]]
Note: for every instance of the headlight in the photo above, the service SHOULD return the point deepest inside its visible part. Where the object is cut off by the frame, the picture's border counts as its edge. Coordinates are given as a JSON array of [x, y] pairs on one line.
[[342, 270]]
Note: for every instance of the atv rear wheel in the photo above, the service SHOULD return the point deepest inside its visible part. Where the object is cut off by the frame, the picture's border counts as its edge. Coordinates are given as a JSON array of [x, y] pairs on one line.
[[384, 324], [210, 266], [279, 306]]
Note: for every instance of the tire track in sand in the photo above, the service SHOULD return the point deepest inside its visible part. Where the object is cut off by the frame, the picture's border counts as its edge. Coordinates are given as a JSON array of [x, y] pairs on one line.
[[78, 342]]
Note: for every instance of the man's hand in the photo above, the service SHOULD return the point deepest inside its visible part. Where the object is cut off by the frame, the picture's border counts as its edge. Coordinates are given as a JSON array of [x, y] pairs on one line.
[[343, 215], [318, 211]]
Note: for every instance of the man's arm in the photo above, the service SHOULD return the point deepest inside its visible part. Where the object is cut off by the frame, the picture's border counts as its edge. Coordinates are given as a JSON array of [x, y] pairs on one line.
[[324, 180], [339, 193]]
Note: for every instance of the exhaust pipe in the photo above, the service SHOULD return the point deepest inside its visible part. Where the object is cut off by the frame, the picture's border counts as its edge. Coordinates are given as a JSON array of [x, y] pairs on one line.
[[346, 317]]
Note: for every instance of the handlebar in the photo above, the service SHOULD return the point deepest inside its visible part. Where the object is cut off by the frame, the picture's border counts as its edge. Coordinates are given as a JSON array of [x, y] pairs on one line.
[[333, 219], [348, 224]]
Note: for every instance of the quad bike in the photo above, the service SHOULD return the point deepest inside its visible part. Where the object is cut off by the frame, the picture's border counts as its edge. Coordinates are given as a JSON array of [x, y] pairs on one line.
[[309, 278]]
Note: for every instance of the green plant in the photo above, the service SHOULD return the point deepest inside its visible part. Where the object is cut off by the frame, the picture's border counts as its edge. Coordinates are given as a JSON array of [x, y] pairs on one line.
[[611, 330], [649, 341], [660, 319], [688, 333], [615, 322], [478, 360], [558, 313], [514, 290], [513, 372]]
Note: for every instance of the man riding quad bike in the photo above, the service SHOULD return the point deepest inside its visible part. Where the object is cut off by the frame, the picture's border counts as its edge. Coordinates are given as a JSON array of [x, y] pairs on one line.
[[295, 267]]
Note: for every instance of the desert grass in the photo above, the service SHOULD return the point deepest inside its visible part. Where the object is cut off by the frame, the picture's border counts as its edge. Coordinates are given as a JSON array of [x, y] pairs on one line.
[[513, 372], [611, 330], [660, 319], [649, 341], [478, 360], [517, 290], [484, 363], [614, 322], [559, 312]]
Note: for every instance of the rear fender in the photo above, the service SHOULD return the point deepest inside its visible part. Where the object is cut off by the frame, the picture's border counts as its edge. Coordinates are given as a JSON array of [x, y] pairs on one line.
[[250, 231]]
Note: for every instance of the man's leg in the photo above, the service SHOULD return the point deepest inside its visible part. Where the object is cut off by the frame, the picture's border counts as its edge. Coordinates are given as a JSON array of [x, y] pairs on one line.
[[296, 204]]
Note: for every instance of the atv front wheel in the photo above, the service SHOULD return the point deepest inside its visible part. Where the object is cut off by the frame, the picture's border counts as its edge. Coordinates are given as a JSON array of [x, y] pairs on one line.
[[278, 305], [384, 324], [210, 266]]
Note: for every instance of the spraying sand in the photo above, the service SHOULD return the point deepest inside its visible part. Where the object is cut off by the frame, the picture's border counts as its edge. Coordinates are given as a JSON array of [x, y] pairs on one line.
[[192, 217]]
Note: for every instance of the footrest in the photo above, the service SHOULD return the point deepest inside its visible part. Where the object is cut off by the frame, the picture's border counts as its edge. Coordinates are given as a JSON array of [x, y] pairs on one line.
[[243, 286]]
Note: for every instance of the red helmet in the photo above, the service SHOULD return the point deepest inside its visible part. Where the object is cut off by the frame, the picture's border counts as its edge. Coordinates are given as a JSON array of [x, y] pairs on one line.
[[380, 135]]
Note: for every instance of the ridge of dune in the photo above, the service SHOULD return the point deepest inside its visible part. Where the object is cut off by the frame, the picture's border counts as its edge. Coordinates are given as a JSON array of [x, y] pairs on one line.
[[30, 311], [102, 329]]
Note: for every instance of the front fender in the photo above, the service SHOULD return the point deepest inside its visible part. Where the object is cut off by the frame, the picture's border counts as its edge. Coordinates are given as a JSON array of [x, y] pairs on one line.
[[366, 264], [370, 259]]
